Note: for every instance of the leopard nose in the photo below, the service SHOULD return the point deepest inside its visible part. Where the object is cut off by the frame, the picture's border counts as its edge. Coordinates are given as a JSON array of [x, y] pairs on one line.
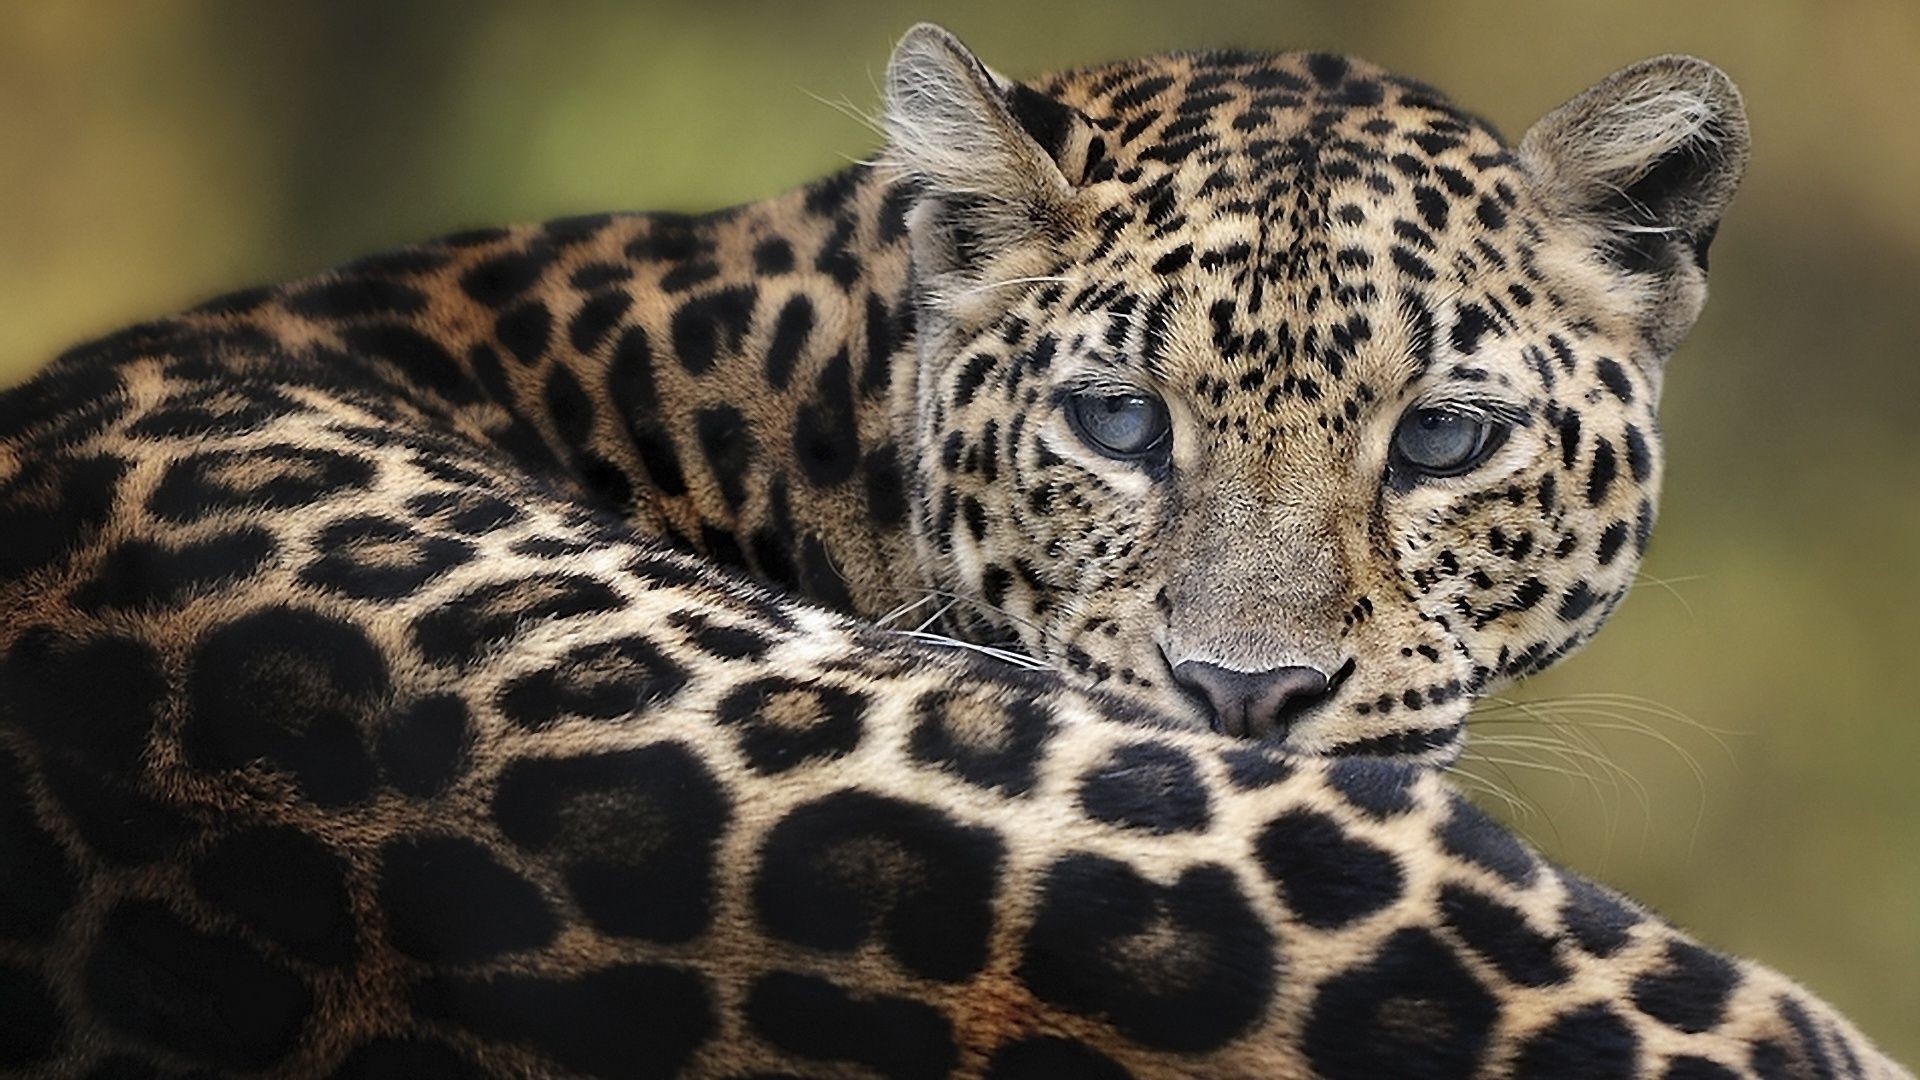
[[1257, 704]]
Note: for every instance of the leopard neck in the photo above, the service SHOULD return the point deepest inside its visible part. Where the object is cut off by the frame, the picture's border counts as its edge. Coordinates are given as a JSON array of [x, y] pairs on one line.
[[761, 389]]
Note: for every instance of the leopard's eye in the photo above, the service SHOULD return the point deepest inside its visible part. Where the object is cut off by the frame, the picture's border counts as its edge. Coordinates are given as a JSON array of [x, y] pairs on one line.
[[1124, 426], [1444, 442]]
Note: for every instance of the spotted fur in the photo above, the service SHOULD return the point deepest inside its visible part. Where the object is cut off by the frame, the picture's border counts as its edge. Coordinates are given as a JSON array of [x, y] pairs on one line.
[[464, 662]]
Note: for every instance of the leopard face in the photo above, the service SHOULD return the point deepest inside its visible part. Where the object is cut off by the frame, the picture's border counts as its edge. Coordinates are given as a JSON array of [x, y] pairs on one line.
[[1282, 394]]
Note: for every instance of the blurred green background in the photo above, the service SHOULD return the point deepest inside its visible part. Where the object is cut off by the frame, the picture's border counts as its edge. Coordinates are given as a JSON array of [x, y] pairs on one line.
[[1739, 749]]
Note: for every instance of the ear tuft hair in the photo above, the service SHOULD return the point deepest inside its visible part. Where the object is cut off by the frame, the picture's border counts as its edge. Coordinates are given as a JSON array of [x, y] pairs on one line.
[[950, 123], [1652, 155], [986, 157], [1645, 163]]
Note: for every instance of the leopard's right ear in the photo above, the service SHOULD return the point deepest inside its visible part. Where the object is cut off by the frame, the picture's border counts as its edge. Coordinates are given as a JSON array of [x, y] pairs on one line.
[[996, 162], [1647, 161]]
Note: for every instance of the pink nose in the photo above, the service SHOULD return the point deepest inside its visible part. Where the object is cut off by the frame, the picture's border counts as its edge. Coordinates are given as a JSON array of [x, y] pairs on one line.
[[1257, 704]]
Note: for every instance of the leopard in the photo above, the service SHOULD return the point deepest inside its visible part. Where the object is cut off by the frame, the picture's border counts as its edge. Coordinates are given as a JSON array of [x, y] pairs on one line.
[[1003, 610]]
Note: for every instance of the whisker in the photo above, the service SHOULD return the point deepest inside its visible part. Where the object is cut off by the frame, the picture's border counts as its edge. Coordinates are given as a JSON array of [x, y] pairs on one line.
[[933, 618], [1515, 804], [902, 611], [1035, 279], [1618, 712], [1582, 718], [1666, 585], [1576, 761], [1582, 734], [1006, 656], [993, 609]]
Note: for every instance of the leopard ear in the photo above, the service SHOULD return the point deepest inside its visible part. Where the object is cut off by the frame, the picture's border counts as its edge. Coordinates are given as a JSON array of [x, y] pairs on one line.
[[1649, 158], [992, 159]]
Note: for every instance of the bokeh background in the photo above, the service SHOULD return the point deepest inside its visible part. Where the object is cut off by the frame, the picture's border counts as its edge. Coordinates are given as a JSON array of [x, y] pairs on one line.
[[1741, 748]]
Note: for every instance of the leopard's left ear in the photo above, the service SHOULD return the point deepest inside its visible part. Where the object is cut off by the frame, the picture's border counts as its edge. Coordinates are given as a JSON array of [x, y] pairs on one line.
[[1649, 158], [996, 161]]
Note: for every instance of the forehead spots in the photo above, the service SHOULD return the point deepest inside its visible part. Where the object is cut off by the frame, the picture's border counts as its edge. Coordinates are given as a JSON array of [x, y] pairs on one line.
[[1569, 435], [525, 330], [1300, 325], [791, 330], [467, 512], [1173, 261], [825, 438], [1432, 206], [730, 449]]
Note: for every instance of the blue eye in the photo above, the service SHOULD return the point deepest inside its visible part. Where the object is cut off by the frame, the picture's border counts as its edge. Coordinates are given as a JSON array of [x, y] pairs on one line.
[[1124, 426], [1442, 442]]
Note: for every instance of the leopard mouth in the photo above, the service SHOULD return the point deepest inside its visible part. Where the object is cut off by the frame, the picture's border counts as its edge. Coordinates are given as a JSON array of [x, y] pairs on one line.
[[1296, 710], [1330, 726]]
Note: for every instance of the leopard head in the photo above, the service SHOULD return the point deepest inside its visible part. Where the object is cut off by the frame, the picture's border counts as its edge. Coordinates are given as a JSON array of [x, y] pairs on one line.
[[1280, 393]]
